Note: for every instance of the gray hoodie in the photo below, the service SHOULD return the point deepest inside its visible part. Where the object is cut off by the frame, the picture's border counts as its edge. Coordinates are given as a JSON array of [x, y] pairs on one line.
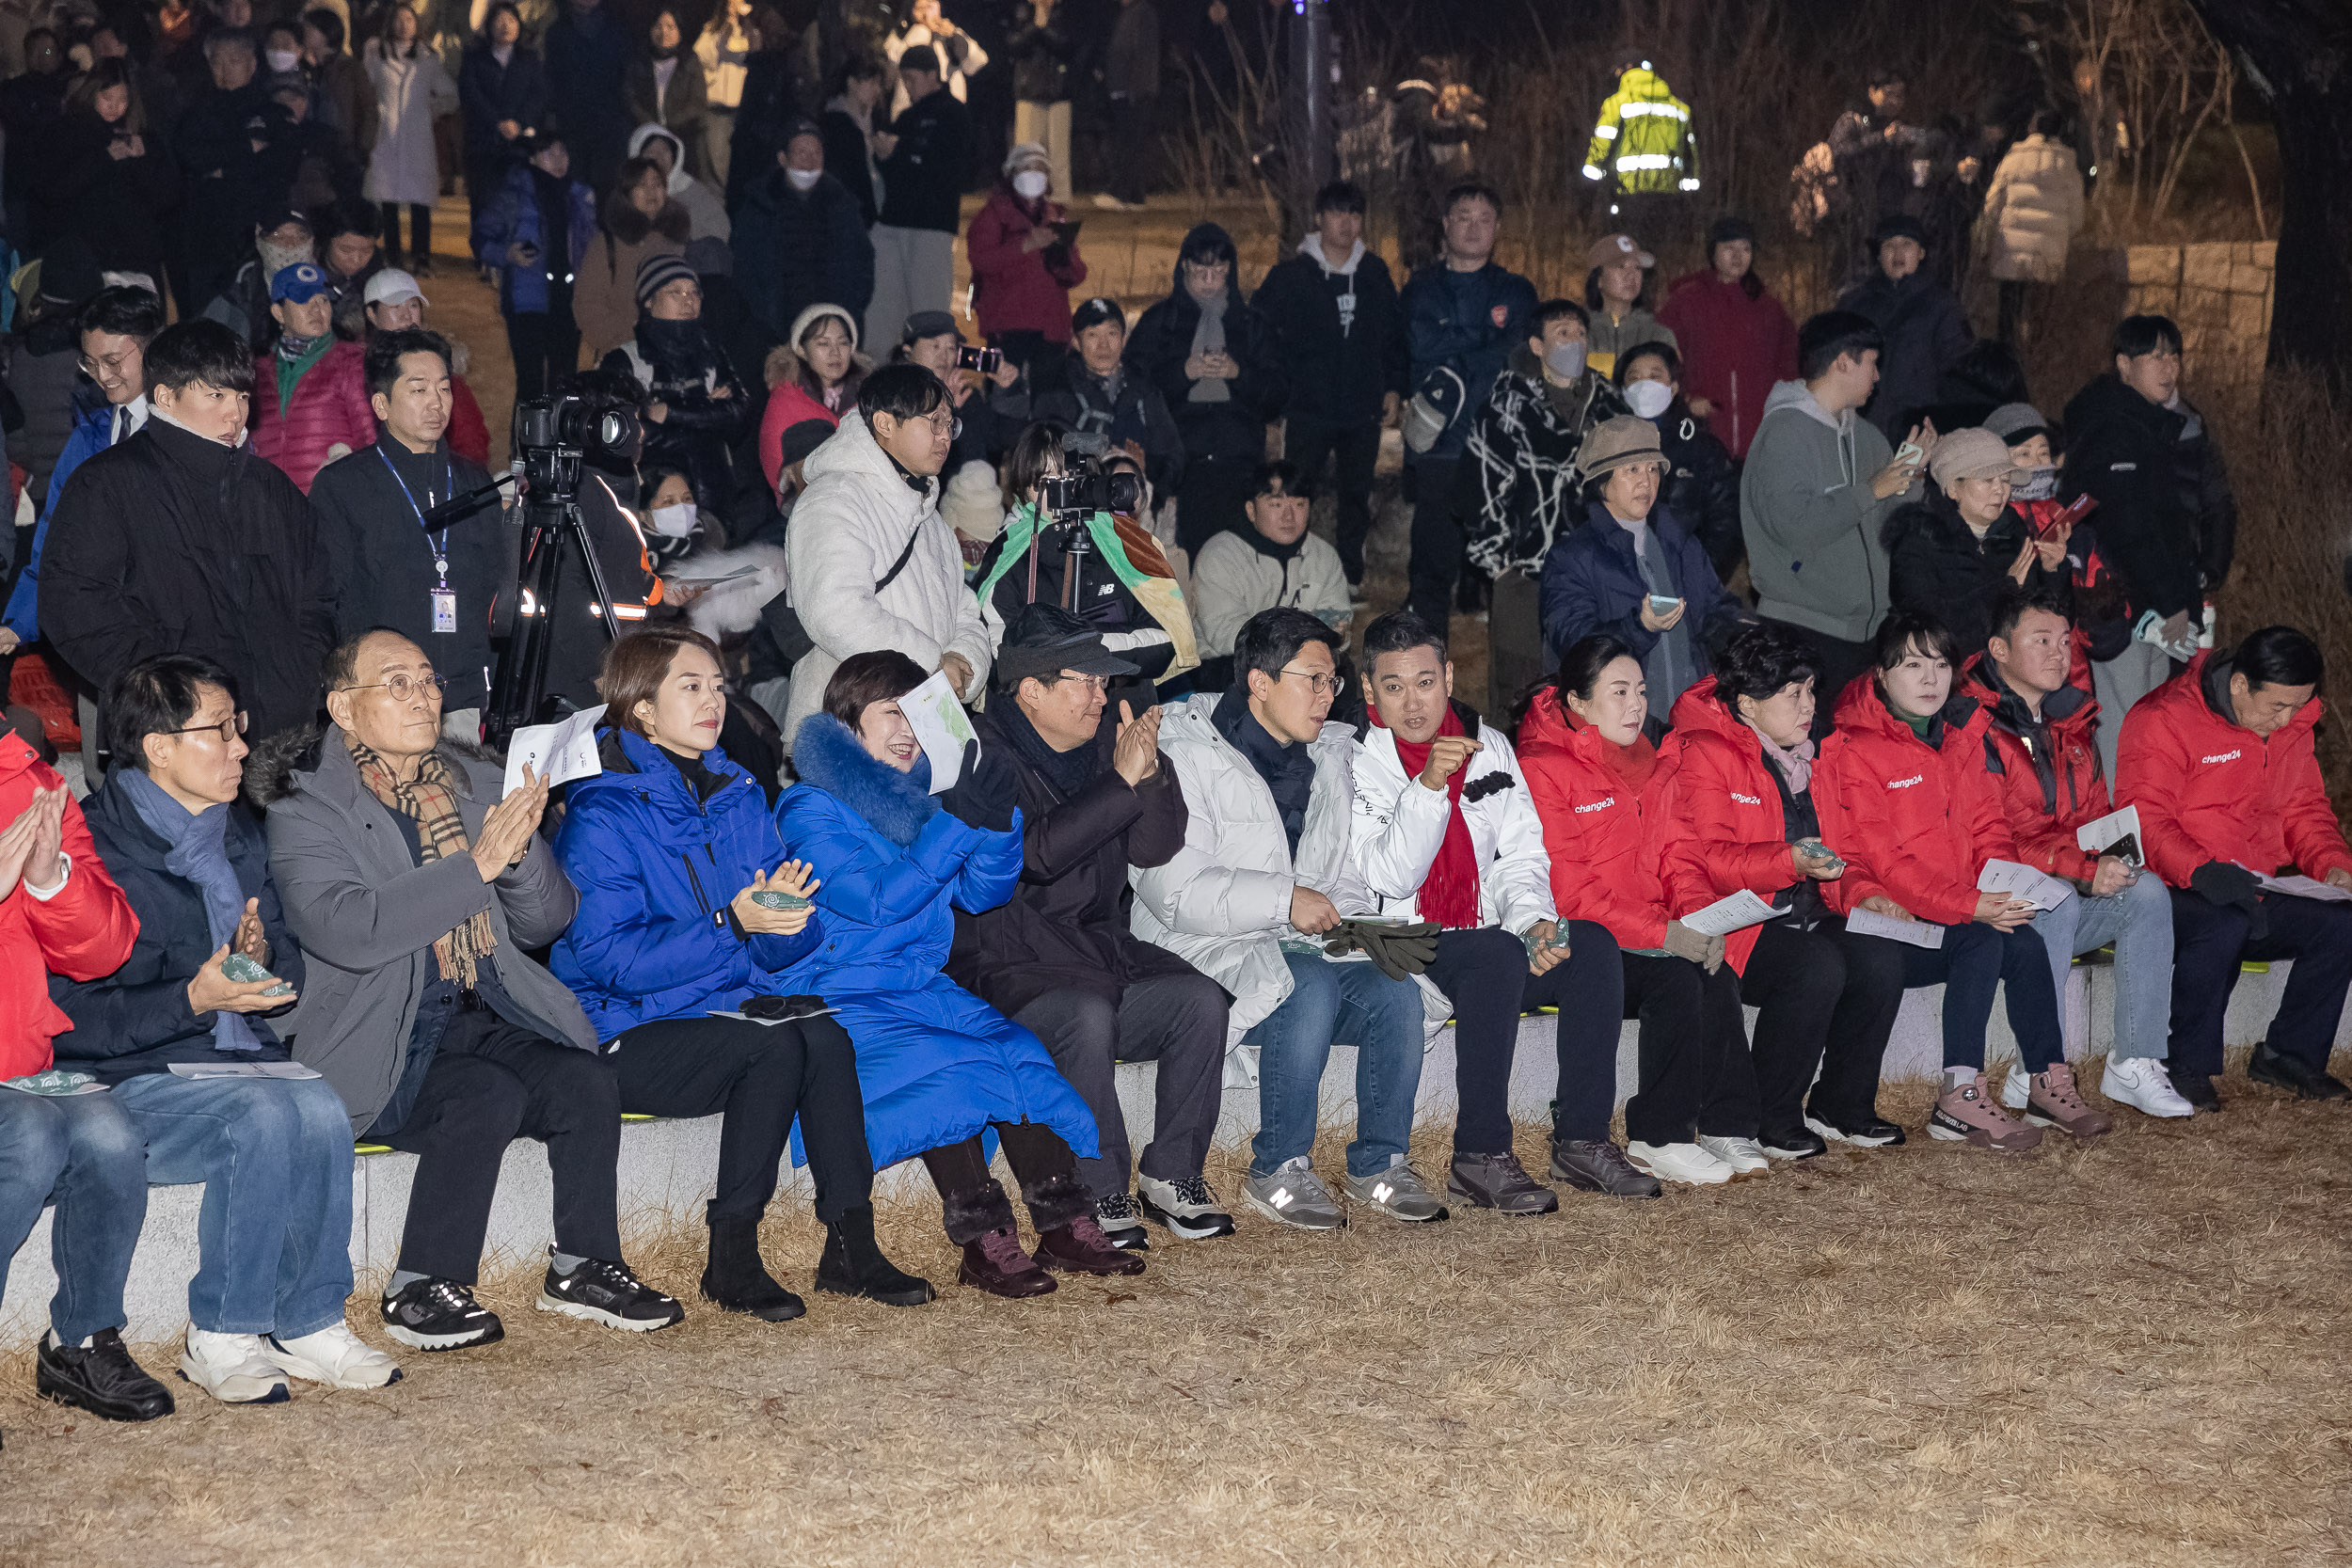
[[1811, 522]]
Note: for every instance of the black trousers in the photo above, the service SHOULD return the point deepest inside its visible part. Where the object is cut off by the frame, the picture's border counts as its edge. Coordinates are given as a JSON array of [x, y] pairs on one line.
[[761, 1076], [1485, 973], [1690, 1025], [1839, 662], [1177, 1021], [420, 228], [546, 347], [973, 1205], [1824, 1000], [1134, 125], [1211, 498], [489, 1084], [1436, 558], [2210, 940], [1356, 449]]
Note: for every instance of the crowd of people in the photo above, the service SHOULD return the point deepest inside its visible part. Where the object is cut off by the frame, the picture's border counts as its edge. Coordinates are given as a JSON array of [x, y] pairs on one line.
[[1966, 723]]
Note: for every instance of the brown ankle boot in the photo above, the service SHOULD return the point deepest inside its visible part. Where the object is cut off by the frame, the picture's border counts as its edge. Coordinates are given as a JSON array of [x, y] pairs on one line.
[[996, 1264], [1081, 1247]]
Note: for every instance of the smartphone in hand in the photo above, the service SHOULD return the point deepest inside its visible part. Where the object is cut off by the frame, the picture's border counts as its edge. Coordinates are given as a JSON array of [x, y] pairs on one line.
[[1662, 604]]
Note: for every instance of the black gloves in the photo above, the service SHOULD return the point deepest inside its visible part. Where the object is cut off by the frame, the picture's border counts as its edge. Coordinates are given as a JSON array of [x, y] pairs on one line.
[[771, 1008], [2219, 882], [985, 793], [1399, 952]]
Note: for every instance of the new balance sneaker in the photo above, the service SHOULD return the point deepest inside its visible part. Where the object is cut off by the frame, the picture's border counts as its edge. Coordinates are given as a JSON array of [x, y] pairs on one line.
[[99, 1377], [2053, 1103], [600, 1291], [1398, 1191], [1966, 1114], [335, 1356], [1121, 1223], [1687, 1163], [439, 1314], [233, 1368], [1295, 1195], [1597, 1166], [1792, 1143], [1188, 1209], [1498, 1182], [1745, 1156]]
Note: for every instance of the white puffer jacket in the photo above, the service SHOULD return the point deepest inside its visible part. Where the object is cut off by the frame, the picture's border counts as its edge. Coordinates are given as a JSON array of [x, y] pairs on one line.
[[1399, 827], [848, 528], [2032, 210]]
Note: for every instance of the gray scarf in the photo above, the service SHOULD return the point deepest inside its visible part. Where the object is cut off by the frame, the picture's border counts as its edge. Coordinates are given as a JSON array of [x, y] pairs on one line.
[[1669, 668], [200, 854], [1208, 337]]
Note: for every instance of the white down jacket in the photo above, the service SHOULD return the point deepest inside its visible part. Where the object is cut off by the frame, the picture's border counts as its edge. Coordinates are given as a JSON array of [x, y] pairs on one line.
[[848, 527], [1399, 825], [2032, 210]]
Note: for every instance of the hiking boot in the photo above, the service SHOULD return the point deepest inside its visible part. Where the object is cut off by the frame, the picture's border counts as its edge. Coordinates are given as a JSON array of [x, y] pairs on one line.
[[439, 1314], [996, 1264], [2296, 1076], [1082, 1246], [231, 1368], [1121, 1222], [1188, 1209], [1398, 1191], [1498, 1182], [1966, 1114], [735, 1279], [601, 1291], [2055, 1104], [99, 1377], [1745, 1156], [1597, 1166], [335, 1356], [1864, 1132], [1792, 1143], [1295, 1195], [2142, 1083], [854, 1264], [1685, 1163]]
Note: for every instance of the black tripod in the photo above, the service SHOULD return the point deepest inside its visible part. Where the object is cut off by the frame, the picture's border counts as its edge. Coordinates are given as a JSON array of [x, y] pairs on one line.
[[551, 524]]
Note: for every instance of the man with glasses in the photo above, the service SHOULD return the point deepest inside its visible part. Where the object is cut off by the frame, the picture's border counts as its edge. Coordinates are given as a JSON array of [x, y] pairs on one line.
[[1267, 871], [417, 893], [1265, 562]]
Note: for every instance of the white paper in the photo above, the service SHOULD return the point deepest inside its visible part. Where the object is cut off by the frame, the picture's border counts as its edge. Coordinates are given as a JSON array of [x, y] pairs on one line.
[[294, 1070], [558, 752], [2304, 887], [1737, 912], [2092, 837], [1920, 933], [2023, 881], [940, 726]]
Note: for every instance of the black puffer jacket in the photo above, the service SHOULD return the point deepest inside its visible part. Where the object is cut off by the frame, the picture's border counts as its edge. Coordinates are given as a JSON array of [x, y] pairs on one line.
[[1702, 486], [1941, 568], [1926, 334], [2167, 518], [705, 410], [1163, 343], [1040, 59]]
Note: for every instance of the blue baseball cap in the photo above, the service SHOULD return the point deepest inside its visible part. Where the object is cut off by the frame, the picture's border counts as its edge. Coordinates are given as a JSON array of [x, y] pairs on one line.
[[297, 284]]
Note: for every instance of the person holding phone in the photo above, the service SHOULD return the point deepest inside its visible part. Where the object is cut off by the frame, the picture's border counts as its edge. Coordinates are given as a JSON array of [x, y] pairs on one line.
[[1024, 249], [1952, 552], [530, 236]]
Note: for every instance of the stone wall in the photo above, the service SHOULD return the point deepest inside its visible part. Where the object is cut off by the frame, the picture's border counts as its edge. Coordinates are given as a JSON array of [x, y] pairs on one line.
[[2218, 292]]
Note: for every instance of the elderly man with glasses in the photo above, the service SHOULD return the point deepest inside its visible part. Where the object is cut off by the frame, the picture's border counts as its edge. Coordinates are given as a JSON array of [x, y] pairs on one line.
[[417, 890]]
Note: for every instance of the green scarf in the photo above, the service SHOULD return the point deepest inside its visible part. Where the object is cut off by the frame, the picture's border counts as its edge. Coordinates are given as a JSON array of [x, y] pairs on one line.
[[290, 370], [1021, 526]]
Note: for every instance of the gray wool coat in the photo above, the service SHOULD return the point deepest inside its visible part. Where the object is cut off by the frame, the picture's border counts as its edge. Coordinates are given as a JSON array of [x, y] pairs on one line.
[[367, 916]]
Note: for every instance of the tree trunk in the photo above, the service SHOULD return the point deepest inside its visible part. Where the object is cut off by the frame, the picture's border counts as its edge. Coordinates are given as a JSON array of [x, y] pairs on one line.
[[2298, 54]]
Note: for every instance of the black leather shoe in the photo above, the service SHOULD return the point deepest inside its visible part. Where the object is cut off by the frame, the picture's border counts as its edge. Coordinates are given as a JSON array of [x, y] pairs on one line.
[[2299, 1078], [2197, 1088], [103, 1380]]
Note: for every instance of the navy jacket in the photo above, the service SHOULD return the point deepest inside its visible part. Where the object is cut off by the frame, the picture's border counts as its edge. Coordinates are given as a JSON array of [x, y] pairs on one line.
[[136, 1020], [792, 251], [1449, 319], [1592, 582], [488, 93]]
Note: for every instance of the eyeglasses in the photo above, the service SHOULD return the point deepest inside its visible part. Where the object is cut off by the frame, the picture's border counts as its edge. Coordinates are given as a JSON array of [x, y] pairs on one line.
[[228, 729], [939, 419], [111, 363], [405, 686], [1321, 685]]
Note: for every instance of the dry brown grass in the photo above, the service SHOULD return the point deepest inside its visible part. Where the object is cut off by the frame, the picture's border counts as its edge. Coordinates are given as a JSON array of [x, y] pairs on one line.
[[2128, 1353]]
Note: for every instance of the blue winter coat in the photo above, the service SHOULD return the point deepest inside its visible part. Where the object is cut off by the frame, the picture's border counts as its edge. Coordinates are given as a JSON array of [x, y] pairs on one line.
[[1450, 320], [937, 1064], [656, 869], [90, 438], [510, 217], [1591, 582]]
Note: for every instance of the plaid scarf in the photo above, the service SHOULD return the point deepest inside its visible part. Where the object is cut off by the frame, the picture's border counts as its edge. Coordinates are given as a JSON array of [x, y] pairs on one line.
[[430, 800]]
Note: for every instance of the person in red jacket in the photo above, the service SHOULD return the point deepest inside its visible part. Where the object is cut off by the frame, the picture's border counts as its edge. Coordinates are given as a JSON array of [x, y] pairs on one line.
[[2219, 762], [1741, 816], [310, 391], [814, 374], [1593, 777], [1735, 339], [1023, 268], [2042, 753], [1905, 800]]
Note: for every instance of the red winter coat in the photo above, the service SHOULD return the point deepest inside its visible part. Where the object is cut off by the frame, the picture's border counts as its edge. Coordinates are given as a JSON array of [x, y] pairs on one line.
[[1604, 861], [330, 408], [2210, 789], [2045, 813], [469, 434], [1721, 819], [1912, 822], [1734, 349], [1013, 290], [84, 934], [789, 404]]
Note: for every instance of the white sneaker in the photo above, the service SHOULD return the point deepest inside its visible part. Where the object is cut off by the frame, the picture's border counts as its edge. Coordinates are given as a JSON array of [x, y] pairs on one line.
[[1685, 1163], [2142, 1082], [1744, 1155], [2017, 1087], [1106, 203], [335, 1356], [234, 1369]]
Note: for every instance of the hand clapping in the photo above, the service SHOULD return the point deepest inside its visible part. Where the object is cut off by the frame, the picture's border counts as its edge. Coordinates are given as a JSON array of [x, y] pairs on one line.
[[507, 827]]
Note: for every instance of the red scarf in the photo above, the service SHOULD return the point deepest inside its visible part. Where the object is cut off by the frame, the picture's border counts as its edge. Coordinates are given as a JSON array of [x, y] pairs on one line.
[[1633, 764], [1448, 895]]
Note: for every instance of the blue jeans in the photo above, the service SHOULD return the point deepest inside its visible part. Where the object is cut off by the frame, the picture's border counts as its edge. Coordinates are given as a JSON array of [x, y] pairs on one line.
[[1974, 959], [1343, 1001], [274, 1235], [81, 1153], [2138, 920]]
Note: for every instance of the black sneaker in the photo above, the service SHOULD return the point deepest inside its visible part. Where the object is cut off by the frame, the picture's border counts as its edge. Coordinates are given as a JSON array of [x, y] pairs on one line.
[[605, 1292], [2293, 1074], [2197, 1088], [102, 1379], [439, 1314], [1794, 1142], [1867, 1131]]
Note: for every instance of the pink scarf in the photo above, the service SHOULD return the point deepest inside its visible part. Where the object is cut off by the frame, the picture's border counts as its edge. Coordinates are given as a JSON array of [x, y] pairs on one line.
[[1795, 764]]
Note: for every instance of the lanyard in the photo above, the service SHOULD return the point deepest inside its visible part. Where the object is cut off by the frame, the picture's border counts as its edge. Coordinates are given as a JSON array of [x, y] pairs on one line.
[[440, 546]]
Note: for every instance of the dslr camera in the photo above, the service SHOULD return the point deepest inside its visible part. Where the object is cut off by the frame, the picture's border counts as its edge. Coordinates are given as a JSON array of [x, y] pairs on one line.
[[1084, 485]]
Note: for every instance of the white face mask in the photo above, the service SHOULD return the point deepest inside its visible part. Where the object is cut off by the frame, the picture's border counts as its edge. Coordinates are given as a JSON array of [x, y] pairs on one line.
[[673, 522], [804, 178], [1648, 399], [1029, 185], [1566, 360], [283, 59]]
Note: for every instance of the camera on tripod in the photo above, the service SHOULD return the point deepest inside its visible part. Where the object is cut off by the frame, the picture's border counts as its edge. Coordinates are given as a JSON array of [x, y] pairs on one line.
[[1084, 485], [552, 433]]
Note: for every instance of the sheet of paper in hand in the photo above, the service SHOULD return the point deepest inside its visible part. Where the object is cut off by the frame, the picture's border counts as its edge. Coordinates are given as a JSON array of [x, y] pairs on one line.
[[1737, 912], [2023, 881], [940, 726], [558, 752], [1920, 933], [2103, 835], [2304, 887], [292, 1072]]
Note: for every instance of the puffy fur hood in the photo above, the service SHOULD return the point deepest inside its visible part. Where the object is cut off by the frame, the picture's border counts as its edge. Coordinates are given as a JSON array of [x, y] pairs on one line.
[[625, 223], [270, 766], [829, 756]]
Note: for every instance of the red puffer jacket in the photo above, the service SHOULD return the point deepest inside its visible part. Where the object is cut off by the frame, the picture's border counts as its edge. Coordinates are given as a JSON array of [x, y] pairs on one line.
[[2210, 789], [84, 934], [1599, 830], [1015, 289], [1913, 821], [1720, 814], [1734, 348], [2046, 798], [330, 408]]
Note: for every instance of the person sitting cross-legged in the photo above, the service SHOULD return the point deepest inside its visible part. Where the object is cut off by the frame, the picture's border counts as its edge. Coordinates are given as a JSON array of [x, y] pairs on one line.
[[417, 893], [274, 1155]]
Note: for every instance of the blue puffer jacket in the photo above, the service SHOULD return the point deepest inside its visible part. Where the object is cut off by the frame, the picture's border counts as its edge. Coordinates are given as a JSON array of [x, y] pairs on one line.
[[936, 1064], [1450, 320], [656, 869], [511, 218]]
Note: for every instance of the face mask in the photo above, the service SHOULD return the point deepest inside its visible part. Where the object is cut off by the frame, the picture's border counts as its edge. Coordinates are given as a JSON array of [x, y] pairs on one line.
[[2039, 484], [1566, 360], [1648, 399], [804, 178], [1028, 184], [283, 59], [673, 522]]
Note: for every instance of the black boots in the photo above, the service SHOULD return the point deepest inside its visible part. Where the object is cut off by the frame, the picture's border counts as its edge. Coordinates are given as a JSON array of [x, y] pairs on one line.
[[736, 1281], [854, 1264]]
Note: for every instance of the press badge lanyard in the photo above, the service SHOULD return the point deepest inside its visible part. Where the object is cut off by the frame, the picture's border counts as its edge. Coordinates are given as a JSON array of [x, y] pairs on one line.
[[444, 598]]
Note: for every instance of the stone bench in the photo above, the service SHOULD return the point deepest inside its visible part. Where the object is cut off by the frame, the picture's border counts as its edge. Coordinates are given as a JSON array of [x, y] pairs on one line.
[[667, 1168]]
